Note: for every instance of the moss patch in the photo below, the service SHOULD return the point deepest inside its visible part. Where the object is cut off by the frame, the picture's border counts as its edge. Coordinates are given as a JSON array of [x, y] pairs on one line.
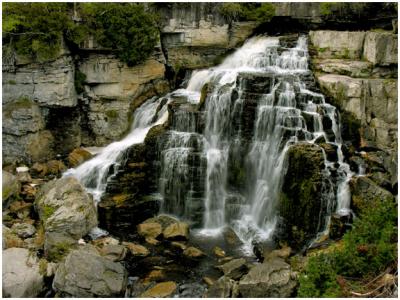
[[47, 212]]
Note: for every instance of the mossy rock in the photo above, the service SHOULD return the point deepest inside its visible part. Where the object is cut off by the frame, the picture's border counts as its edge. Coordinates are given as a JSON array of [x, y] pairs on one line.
[[301, 204]]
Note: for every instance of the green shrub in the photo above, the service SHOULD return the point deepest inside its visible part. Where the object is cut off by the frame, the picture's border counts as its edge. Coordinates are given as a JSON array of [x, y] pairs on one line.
[[231, 11], [37, 29], [319, 279], [79, 81], [260, 12], [368, 249], [126, 27]]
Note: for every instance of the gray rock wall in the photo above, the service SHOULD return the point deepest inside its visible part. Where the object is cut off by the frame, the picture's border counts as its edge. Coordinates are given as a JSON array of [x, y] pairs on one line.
[[359, 71]]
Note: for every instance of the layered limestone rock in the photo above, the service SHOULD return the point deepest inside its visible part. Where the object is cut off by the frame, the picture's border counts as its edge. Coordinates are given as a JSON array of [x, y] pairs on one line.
[[43, 115], [113, 90], [358, 73], [197, 36]]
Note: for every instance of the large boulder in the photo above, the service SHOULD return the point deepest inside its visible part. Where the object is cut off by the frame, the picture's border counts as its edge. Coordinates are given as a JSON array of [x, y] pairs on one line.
[[67, 213], [21, 274], [10, 186], [85, 273], [302, 204], [271, 279], [365, 191]]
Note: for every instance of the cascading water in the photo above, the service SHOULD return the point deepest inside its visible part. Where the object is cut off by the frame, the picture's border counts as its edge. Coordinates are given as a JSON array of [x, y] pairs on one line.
[[279, 122], [94, 173], [222, 162]]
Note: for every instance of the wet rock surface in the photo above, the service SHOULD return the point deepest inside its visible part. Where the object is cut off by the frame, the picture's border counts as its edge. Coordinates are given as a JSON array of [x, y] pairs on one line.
[[84, 273], [300, 204]]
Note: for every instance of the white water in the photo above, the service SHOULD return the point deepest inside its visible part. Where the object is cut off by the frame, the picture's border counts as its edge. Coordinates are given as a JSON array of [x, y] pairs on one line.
[[278, 114], [93, 174], [279, 123]]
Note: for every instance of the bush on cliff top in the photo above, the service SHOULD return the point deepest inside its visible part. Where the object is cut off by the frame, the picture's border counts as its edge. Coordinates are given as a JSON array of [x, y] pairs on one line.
[[367, 250], [37, 29], [260, 12]]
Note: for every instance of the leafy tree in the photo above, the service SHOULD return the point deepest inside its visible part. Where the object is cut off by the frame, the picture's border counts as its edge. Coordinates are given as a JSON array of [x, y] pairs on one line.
[[126, 27], [37, 29], [260, 12]]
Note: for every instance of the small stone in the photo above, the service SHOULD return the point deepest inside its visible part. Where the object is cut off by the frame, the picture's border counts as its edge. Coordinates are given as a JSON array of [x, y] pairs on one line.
[[154, 275], [22, 169], [113, 252], [282, 253], [160, 290], [81, 242], [23, 230], [177, 231], [193, 252], [136, 249], [208, 281], [235, 268], [105, 241], [151, 230], [219, 252], [24, 177], [152, 241], [78, 156], [55, 167], [39, 169], [178, 245], [225, 259]]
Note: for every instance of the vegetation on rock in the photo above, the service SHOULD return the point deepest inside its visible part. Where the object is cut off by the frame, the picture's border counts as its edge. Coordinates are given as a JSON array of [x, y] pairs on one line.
[[37, 30], [369, 249], [260, 12]]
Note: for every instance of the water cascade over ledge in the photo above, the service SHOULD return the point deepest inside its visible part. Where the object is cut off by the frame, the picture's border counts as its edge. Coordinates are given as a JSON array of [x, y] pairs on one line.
[[222, 161]]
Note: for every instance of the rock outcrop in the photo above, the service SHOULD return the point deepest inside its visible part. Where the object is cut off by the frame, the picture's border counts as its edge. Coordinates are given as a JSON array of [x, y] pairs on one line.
[[302, 206], [271, 279], [21, 275], [86, 274], [359, 72], [362, 83], [67, 213], [10, 186]]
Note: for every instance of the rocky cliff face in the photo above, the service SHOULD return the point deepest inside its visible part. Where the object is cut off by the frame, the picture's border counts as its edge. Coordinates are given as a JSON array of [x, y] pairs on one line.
[[358, 71], [195, 35], [43, 115]]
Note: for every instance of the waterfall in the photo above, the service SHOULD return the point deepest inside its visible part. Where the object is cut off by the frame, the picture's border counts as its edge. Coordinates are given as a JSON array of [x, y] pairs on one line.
[[222, 161], [94, 173]]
